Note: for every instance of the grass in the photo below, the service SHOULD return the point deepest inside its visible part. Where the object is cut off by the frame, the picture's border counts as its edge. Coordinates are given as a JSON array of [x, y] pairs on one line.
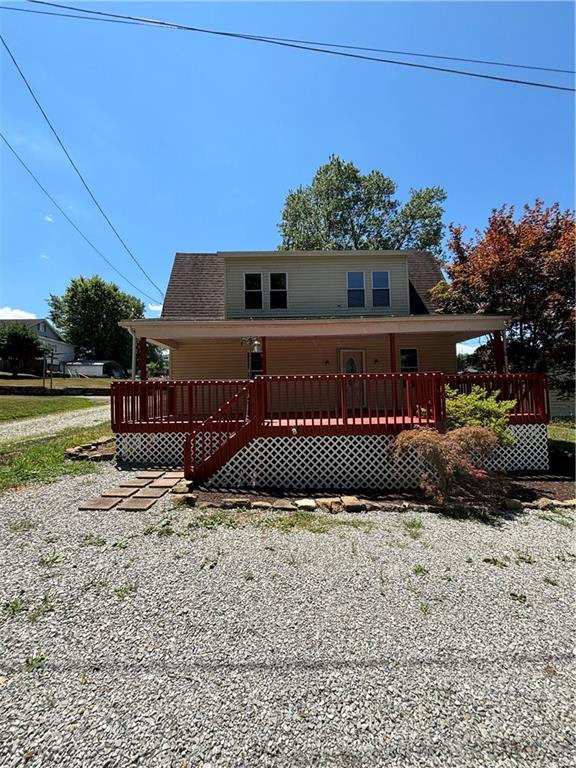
[[6, 380], [420, 570], [46, 605], [42, 460], [413, 527], [557, 516], [22, 525], [15, 606], [15, 407], [562, 435], [91, 540], [550, 581], [495, 561], [34, 662], [126, 589], [53, 559], [306, 521]]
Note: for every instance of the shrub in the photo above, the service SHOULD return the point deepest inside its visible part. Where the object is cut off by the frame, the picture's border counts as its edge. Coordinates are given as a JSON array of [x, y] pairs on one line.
[[479, 409], [451, 456]]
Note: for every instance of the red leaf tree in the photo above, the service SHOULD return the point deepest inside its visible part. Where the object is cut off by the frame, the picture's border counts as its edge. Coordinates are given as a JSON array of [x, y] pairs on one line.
[[524, 268]]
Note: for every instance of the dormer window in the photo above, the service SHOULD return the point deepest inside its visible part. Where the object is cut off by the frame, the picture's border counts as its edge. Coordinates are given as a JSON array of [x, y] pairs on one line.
[[253, 290], [355, 286], [380, 289], [278, 290]]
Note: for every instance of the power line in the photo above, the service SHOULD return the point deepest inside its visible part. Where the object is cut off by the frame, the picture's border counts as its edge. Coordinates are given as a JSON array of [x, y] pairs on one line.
[[311, 42], [69, 220], [285, 44], [78, 173]]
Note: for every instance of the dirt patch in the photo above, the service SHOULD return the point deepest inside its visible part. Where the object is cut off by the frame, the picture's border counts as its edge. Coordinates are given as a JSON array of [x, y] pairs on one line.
[[530, 488]]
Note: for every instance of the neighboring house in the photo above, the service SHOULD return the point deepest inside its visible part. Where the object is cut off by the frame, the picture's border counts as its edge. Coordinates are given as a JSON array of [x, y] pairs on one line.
[[321, 345], [58, 350]]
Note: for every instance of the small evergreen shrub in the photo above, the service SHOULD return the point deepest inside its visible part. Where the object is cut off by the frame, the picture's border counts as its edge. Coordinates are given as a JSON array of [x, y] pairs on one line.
[[451, 456], [479, 409]]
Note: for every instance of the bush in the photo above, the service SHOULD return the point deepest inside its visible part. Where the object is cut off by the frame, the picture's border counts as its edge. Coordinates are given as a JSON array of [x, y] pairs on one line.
[[451, 456], [479, 409]]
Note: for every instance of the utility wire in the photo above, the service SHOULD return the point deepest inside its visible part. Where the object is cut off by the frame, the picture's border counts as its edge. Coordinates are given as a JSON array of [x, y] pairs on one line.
[[316, 42], [78, 173], [69, 220], [285, 44]]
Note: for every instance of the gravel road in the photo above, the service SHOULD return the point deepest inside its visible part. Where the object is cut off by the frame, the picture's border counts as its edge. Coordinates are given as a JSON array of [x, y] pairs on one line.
[[48, 425], [448, 645]]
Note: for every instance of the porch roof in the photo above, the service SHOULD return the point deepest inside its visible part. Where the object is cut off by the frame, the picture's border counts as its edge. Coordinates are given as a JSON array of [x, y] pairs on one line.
[[172, 333]]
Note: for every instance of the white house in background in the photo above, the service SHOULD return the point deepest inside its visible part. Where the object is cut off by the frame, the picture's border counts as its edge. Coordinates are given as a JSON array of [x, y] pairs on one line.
[[62, 351]]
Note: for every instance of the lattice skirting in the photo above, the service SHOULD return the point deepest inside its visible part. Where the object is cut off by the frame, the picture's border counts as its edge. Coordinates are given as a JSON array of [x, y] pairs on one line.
[[334, 462]]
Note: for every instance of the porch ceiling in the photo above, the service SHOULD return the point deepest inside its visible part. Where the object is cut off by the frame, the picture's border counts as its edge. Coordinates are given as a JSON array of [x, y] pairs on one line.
[[171, 333]]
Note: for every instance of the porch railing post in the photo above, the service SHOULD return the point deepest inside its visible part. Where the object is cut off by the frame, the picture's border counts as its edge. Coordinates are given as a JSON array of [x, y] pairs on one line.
[[344, 400]]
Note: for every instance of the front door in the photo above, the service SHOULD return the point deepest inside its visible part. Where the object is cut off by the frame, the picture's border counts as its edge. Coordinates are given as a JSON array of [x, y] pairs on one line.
[[354, 361]]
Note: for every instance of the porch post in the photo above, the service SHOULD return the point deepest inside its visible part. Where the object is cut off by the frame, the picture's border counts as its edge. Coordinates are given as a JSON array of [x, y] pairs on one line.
[[393, 366], [499, 352], [143, 359], [133, 373], [264, 365]]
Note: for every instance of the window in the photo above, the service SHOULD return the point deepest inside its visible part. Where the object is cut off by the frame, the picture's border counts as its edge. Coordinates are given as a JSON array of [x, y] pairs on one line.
[[253, 290], [409, 360], [278, 290], [255, 364], [380, 289], [355, 285]]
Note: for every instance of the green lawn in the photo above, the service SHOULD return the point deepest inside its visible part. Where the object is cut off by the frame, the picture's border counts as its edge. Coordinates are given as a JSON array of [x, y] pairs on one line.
[[562, 434], [6, 380], [13, 407], [42, 459]]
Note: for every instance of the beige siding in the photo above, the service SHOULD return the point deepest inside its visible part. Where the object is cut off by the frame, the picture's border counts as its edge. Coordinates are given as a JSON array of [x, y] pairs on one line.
[[317, 283], [436, 352], [209, 359], [227, 358]]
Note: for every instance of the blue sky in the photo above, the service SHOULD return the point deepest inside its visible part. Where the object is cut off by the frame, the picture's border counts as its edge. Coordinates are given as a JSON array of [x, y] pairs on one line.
[[191, 142]]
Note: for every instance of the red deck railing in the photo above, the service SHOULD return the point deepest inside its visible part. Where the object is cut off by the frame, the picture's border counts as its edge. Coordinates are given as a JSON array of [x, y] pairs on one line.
[[319, 404]]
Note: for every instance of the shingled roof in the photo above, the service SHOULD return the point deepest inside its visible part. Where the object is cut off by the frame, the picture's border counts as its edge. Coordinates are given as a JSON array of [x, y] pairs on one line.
[[196, 287]]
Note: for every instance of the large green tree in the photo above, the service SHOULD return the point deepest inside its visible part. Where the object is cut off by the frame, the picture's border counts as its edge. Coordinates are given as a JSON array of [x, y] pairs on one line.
[[88, 313], [19, 346], [343, 209], [522, 266]]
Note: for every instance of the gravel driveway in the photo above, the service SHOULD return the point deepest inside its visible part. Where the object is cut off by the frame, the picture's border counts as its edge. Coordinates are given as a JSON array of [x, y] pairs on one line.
[[48, 425], [445, 645]]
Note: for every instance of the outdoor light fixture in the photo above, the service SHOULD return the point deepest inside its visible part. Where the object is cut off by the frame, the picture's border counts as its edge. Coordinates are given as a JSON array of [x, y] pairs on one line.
[[253, 343]]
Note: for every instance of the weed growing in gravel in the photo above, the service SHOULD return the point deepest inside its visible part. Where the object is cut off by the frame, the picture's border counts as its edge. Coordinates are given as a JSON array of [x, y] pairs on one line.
[[291, 559], [214, 519], [495, 561], [413, 527], [15, 606], [34, 662], [558, 516], [562, 556], [382, 584], [524, 557], [550, 581], [51, 539], [519, 597], [420, 570], [91, 540], [53, 559], [163, 528], [119, 545], [425, 608], [473, 512], [96, 584], [249, 576], [469, 559], [22, 525], [126, 589], [208, 563], [46, 605], [311, 522]]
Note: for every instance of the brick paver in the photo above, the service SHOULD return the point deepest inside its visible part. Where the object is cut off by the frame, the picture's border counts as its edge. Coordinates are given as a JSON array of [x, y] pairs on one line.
[[134, 482], [150, 493], [100, 504], [120, 492], [164, 482], [149, 474], [137, 505]]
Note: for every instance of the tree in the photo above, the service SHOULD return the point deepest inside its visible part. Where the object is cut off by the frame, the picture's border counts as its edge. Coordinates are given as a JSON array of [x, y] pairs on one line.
[[524, 268], [88, 313], [343, 209], [19, 346]]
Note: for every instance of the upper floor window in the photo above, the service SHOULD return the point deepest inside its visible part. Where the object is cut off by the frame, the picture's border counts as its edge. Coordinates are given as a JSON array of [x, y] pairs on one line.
[[253, 290], [380, 289], [409, 360], [278, 290], [355, 285]]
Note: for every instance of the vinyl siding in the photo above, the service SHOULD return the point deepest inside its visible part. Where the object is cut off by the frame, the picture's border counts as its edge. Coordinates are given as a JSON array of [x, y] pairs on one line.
[[317, 284], [227, 358]]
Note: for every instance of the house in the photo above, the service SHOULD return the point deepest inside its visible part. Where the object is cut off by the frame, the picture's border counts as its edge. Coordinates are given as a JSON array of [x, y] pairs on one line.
[[59, 352], [96, 369], [336, 346]]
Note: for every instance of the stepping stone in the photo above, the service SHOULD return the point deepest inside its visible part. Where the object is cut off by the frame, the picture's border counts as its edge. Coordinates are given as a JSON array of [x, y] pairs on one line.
[[164, 482], [150, 474], [100, 503], [137, 505], [119, 491], [134, 482], [178, 475], [150, 493]]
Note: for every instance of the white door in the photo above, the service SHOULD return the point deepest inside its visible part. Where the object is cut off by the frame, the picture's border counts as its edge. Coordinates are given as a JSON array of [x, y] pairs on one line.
[[354, 361]]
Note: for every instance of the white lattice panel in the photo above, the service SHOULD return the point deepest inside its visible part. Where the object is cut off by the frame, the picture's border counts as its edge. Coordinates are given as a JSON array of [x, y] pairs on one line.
[[335, 462]]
